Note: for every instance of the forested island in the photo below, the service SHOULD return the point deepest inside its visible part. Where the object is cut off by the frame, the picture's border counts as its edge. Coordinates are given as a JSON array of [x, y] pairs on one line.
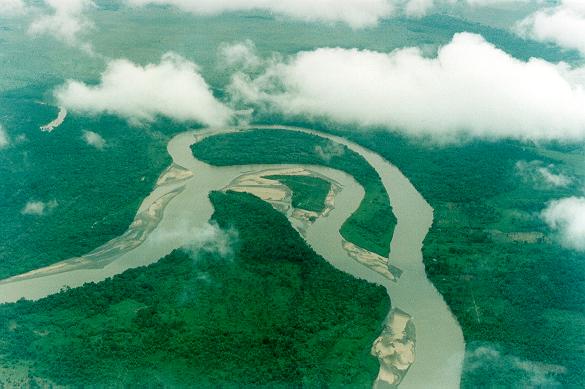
[[308, 192], [372, 224]]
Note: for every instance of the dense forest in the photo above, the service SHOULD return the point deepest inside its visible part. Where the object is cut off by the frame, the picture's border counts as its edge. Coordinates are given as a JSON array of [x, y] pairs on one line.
[[266, 312], [85, 195], [371, 225], [308, 192], [515, 291]]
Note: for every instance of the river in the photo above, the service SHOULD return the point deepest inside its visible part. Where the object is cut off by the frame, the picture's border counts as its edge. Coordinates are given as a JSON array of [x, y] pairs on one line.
[[184, 205]]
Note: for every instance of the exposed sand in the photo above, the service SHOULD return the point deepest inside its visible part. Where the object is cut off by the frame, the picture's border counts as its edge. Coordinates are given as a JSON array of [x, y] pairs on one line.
[[174, 174], [440, 343], [395, 349], [280, 196], [266, 194], [56, 122], [144, 223], [372, 260]]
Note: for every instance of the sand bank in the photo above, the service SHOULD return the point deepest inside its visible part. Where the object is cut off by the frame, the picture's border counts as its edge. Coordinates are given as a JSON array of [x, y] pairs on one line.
[[55, 122]]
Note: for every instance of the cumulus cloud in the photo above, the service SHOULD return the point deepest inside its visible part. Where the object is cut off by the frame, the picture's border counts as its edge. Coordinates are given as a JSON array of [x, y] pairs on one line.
[[240, 55], [470, 88], [4, 139], [541, 175], [562, 24], [489, 364], [567, 217], [66, 22], [38, 208], [212, 239], [209, 238], [419, 8], [329, 150], [483, 3], [12, 8], [356, 13], [94, 139], [172, 88]]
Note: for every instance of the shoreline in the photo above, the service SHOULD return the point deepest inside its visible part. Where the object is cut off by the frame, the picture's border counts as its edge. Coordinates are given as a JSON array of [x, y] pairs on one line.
[[438, 335]]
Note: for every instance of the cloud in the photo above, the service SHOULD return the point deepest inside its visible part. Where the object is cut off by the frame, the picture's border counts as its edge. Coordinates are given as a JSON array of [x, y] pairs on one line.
[[487, 3], [567, 217], [38, 208], [209, 238], [240, 55], [418, 8], [94, 139], [541, 175], [214, 240], [486, 364], [356, 13], [562, 24], [12, 8], [173, 88], [66, 23], [329, 150], [471, 88], [4, 139]]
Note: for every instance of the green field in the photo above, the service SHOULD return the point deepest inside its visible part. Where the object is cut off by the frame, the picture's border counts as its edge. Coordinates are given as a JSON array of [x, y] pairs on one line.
[[188, 318], [308, 192], [370, 226]]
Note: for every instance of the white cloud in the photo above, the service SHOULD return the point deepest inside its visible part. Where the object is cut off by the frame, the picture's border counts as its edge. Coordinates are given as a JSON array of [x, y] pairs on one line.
[[66, 23], [563, 25], [240, 54], [173, 88], [418, 8], [94, 139], [486, 3], [556, 180], [38, 208], [486, 360], [12, 7], [542, 175], [470, 88], [329, 150], [356, 13], [4, 139], [567, 217], [209, 238]]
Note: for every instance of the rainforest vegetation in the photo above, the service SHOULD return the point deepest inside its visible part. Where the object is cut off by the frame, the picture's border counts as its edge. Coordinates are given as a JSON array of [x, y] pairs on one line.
[[308, 192], [190, 317], [90, 195], [372, 224], [515, 291]]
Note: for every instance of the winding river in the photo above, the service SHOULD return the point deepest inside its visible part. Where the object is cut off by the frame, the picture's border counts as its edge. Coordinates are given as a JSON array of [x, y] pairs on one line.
[[180, 203]]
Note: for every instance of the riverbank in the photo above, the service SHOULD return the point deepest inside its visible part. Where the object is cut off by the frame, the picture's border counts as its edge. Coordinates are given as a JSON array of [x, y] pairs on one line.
[[439, 343]]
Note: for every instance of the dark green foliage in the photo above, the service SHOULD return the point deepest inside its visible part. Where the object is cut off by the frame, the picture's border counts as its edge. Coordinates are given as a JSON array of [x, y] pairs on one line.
[[95, 193], [308, 192], [273, 314], [525, 298], [372, 224]]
